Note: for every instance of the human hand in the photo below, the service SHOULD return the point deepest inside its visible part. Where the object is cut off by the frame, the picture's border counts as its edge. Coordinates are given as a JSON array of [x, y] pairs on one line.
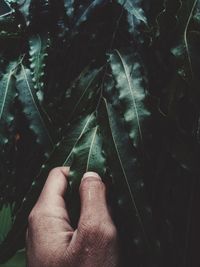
[[52, 242]]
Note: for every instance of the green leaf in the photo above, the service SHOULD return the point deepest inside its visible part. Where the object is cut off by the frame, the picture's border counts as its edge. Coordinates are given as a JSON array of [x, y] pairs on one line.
[[132, 91], [8, 94], [196, 17], [135, 17], [7, 97], [11, 25], [5, 9], [81, 14], [127, 171], [85, 12], [24, 8], [5, 220], [38, 53], [134, 8], [69, 7], [39, 122], [166, 19], [181, 50], [18, 260], [82, 92]]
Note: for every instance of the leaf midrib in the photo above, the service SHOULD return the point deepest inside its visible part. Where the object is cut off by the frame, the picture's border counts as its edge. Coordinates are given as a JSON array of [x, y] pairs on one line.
[[82, 132], [32, 97], [126, 179], [91, 147], [131, 91], [6, 93]]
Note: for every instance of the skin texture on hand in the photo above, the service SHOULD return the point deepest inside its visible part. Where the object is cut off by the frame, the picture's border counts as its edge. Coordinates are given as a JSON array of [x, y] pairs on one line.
[[52, 242]]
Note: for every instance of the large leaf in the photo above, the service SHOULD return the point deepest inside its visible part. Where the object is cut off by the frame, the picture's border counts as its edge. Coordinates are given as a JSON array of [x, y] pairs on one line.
[[4, 8], [128, 179], [38, 54], [39, 121], [84, 89], [22, 5], [132, 91], [134, 8], [7, 96], [24, 8], [80, 14], [196, 16], [11, 26], [5, 220], [136, 17], [18, 260], [85, 11], [69, 7], [182, 49]]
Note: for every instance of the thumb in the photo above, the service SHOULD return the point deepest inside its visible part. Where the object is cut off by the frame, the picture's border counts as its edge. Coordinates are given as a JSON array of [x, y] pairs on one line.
[[93, 200]]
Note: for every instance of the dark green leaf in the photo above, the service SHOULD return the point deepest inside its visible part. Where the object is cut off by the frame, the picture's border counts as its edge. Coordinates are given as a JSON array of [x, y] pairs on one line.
[[135, 9], [132, 91], [38, 54], [182, 51], [127, 173], [7, 96], [4, 8], [69, 7], [19, 260], [5, 221], [85, 12], [85, 88], [39, 122]]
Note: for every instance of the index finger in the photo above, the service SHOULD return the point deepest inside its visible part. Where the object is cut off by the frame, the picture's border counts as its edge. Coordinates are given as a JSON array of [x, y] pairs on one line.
[[55, 187]]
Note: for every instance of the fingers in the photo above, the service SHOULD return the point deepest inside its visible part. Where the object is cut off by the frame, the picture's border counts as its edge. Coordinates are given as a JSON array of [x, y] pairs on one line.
[[55, 187], [51, 200], [93, 200], [94, 207]]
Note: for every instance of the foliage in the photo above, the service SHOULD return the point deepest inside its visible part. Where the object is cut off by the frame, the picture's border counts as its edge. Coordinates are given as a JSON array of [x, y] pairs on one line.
[[17, 260], [106, 86]]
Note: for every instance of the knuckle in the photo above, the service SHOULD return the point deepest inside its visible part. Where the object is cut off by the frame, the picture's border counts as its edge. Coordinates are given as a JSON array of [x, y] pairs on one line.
[[89, 229], [107, 232], [111, 233], [94, 231]]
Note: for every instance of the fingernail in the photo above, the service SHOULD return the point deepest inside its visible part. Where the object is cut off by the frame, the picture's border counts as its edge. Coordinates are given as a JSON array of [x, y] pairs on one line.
[[93, 175]]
